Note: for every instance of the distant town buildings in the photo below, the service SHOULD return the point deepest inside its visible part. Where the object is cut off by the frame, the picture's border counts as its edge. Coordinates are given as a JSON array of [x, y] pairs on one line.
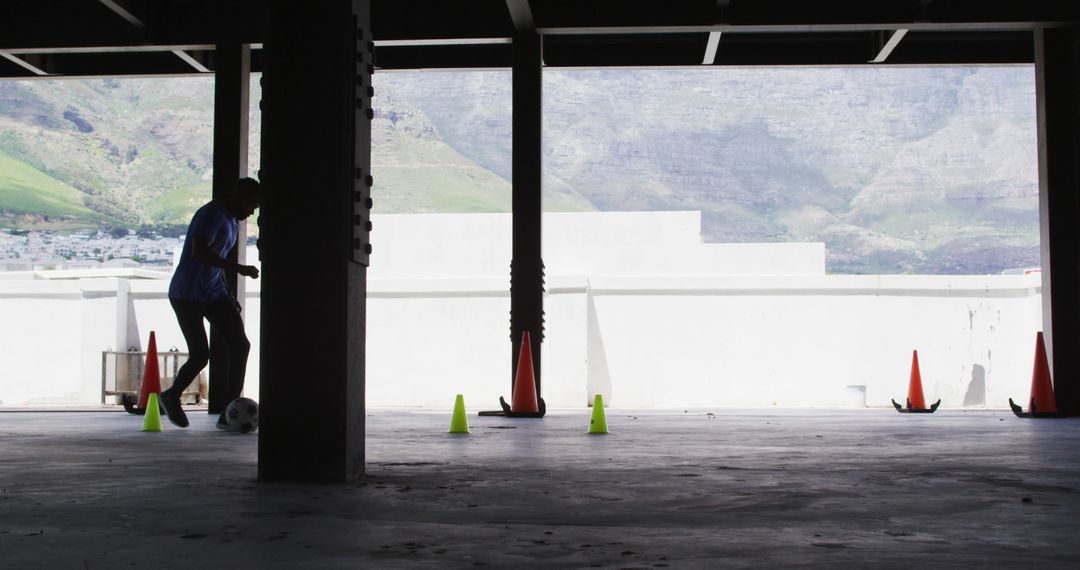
[[23, 250]]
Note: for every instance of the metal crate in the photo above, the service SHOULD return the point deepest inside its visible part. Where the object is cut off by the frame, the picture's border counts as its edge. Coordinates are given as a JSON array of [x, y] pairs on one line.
[[122, 372]]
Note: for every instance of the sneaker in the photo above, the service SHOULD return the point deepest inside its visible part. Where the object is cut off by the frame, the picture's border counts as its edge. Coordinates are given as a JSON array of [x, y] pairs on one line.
[[222, 423], [175, 413]]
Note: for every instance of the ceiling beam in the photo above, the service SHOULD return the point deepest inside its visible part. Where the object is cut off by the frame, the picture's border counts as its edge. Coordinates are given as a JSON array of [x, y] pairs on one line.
[[23, 63], [114, 49], [139, 64], [122, 8], [710, 48], [766, 16], [190, 60], [434, 34], [443, 42], [758, 29], [887, 49], [521, 14]]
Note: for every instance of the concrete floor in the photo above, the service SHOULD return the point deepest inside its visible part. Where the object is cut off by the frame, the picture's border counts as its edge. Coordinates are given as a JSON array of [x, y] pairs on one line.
[[680, 490]]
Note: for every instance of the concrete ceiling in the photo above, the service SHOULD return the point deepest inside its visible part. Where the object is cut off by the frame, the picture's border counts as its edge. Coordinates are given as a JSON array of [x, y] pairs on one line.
[[49, 38]]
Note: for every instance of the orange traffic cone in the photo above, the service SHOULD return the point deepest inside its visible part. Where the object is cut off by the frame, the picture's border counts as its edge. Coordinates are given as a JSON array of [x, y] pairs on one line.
[[524, 399], [916, 402], [1042, 403], [524, 403], [151, 380]]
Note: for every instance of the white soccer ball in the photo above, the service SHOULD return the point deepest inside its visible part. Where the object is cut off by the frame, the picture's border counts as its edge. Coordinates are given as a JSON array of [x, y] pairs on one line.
[[243, 415]]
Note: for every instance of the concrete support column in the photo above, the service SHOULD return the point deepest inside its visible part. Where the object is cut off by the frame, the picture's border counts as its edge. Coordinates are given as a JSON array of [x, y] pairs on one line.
[[314, 226], [1057, 80], [527, 267], [232, 73]]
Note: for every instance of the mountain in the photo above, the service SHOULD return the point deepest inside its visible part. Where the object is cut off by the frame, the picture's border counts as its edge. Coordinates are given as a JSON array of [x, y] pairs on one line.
[[922, 170], [133, 149]]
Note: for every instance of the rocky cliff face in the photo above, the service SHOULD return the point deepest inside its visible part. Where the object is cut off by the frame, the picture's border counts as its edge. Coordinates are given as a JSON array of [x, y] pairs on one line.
[[897, 170]]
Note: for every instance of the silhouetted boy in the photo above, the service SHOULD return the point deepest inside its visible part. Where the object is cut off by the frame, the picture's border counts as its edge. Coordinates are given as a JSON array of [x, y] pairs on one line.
[[199, 291]]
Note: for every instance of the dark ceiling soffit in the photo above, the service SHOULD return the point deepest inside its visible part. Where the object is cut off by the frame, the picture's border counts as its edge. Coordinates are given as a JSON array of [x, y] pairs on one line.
[[126, 10], [771, 49], [123, 9], [143, 63], [95, 26], [434, 19], [970, 48], [651, 16]]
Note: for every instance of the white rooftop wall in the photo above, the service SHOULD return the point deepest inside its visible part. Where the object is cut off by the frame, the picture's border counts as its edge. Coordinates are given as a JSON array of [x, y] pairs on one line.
[[594, 243], [686, 324]]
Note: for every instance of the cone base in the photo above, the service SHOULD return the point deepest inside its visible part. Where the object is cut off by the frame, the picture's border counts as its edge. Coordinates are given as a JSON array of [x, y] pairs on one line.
[[1020, 413], [909, 410], [506, 411]]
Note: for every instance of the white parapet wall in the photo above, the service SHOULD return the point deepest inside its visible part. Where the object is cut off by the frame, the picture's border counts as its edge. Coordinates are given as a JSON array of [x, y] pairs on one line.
[[592, 243], [637, 309], [816, 341]]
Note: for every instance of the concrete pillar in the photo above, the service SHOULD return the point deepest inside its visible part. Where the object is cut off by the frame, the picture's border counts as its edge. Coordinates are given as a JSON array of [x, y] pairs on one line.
[[527, 267], [232, 74], [1057, 81], [314, 227]]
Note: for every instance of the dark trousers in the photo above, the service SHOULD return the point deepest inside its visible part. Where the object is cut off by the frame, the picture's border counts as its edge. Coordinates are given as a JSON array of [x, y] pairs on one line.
[[224, 321]]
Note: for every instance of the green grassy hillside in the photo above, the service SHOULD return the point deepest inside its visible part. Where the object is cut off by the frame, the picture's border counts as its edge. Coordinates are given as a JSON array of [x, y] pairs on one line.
[[31, 198], [176, 207]]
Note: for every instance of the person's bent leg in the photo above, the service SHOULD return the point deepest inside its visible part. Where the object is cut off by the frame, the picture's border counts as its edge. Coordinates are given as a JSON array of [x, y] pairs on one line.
[[189, 315], [226, 321], [221, 356]]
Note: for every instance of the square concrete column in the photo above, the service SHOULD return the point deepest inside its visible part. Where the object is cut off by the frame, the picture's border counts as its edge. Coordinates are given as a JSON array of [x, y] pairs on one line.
[[527, 266], [232, 74], [314, 227], [1057, 84]]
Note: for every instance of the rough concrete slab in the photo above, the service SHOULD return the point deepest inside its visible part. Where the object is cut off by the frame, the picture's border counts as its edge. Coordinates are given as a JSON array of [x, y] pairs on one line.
[[681, 490]]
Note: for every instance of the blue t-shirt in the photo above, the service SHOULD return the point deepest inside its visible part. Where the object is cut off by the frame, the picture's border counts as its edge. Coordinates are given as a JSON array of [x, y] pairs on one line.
[[196, 281]]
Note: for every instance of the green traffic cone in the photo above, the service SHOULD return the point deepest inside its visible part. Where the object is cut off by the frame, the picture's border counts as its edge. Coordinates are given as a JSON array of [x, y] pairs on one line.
[[152, 419], [598, 423], [459, 423]]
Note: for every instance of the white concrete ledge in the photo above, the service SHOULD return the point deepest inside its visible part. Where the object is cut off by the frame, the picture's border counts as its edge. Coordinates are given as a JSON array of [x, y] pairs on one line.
[[847, 285]]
